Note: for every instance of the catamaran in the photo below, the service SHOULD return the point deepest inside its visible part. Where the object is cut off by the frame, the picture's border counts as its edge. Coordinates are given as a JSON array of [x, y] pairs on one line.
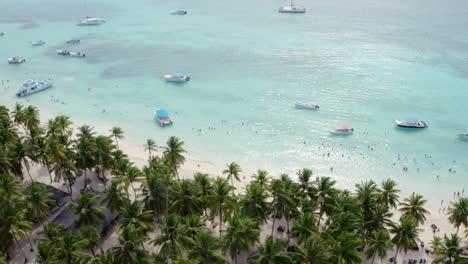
[[163, 117], [292, 9]]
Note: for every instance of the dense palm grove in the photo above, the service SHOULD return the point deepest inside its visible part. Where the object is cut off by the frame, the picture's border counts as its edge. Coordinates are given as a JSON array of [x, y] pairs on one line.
[[164, 218]]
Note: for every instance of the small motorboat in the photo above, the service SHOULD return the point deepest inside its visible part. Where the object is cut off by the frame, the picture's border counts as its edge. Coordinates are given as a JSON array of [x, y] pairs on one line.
[[63, 52], [73, 41], [16, 60], [163, 117], [31, 86], [411, 122], [38, 43], [176, 77], [344, 130], [463, 136], [91, 21], [77, 54], [306, 106], [179, 12]]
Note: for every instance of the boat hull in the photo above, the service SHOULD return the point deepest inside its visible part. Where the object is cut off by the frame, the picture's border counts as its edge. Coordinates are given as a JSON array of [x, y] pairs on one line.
[[39, 88]]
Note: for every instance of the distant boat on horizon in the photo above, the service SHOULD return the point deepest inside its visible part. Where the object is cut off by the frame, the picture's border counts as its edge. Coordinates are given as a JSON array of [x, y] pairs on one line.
[[91, 21], [292, 9]]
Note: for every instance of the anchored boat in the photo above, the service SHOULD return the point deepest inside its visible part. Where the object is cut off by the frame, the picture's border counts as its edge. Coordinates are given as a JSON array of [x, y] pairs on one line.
[[292, 9], [16, 60], [344, 131], [179, 12], [38, 43], [306, 106], [163, 117], [176, 77], [31, 86], [91, 21], [411, 122]]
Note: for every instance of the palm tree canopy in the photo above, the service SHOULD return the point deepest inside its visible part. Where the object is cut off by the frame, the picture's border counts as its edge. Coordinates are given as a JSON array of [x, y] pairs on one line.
[[414, 206], [458, 212], [86, 211], [406, 233], [206, 249], [271, 252]]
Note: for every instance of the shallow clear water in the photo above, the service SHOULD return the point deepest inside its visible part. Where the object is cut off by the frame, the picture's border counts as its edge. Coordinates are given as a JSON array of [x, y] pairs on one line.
[[366, 63]]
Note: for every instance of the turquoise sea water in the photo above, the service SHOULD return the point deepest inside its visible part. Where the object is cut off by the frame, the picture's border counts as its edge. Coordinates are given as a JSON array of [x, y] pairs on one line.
[[366, 63]]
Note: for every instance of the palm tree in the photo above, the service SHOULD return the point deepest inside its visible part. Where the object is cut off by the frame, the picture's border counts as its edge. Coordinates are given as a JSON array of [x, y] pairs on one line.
[[271, 253], [193, 225], [134, 215], [173, 154], [86, 212], [344, 248], [53, 232], [21, 150], [115, 197], [38, 201], [129, 250], [261, 178], [10, 188], [284, 202], [406, 233], [85, 148], [60, 125], [132, 175], [205, 188], [389, 193], [117, 133], [315, 251], [323, 191], [304, 177], [31, 119], [41, 153], [379, 218], [184, 198], [459, 213], [206, 249], [91, 234], [45, 253], [254, 203], [154, 192], [173, 238], [414, 206], [104, 148], [150, 146], [19, 116], [449, 250], [13, 226], [378, 244], [241, 235], [232, 171], [220, 201], [5, 160], [304, 227]]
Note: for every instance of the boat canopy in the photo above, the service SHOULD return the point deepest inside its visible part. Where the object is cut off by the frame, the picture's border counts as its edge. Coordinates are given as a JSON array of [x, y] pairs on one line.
[[411, 119], [345, 126], [16, 57], [178, 74], [162, 112]]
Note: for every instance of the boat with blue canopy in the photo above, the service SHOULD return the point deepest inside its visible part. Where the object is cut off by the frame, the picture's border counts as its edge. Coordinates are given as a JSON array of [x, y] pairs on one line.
[[163, 117], [411, 122], [16, 60]]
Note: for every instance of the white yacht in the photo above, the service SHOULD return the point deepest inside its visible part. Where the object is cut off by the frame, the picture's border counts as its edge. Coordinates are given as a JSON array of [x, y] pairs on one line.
[[163, 117], [31, 86], [176, 77], [292, 9], [463, 136], [16, 60], [411, 122], [306, 106], [89, 21], [38, 43]]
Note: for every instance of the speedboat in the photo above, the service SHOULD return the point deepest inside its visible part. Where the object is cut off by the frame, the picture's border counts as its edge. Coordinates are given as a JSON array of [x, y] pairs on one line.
[[411, 122], [77, 54], [89, 21], [179, 12], [306, 106], [16, 60], [38, 43], [176, 77], [31, 86], [63, 52], [344, 130], [163, 117], [292, 9], [73, 40], [463, 136]]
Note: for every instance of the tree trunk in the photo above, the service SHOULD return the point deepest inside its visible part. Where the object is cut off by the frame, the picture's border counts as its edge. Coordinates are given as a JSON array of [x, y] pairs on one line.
[[102, 173], [373, 258], [396, 253], [232, 184], [274, 219], [30, 242], [235, 258], [167, 199], [48, 171], [85, 179], [21, 249], [133, 189], [220, 219], [93, 252], [116, 142], [287, 226], [320, 217], [27, 169]]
